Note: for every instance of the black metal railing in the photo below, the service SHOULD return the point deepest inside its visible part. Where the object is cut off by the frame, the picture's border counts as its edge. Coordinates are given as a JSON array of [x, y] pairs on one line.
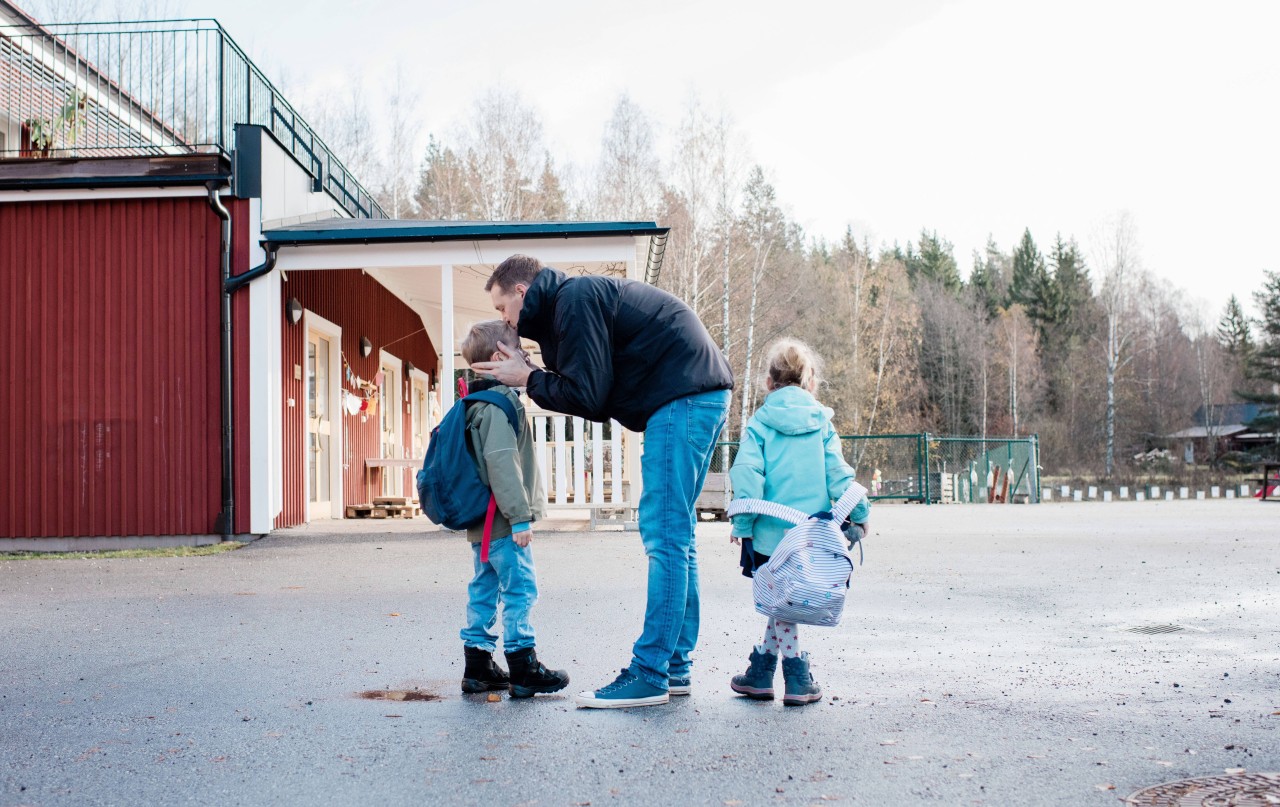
[[150, 87]]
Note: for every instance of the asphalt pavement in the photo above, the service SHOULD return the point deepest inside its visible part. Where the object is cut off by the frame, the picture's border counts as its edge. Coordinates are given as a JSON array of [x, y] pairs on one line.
[[987, 656]]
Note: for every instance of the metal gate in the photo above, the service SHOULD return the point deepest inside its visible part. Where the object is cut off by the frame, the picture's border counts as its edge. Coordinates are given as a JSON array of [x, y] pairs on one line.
[[926, 468]]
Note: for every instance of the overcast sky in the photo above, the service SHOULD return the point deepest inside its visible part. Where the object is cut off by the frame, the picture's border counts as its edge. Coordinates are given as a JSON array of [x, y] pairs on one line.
[[970, 117]]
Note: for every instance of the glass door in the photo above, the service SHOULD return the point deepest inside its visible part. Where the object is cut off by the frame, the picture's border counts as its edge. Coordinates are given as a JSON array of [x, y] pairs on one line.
[[319, 427], [391, 417]]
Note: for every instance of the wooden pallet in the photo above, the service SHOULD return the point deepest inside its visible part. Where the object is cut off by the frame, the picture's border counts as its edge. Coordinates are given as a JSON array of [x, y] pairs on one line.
[[366, 511], [379, 510]]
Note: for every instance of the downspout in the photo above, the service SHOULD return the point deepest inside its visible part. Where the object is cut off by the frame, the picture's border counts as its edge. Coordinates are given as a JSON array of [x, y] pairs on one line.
[[228, 285]]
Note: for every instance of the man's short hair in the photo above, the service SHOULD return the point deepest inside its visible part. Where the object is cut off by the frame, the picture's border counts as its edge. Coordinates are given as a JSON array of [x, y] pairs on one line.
[[514, 270], [483, 338]]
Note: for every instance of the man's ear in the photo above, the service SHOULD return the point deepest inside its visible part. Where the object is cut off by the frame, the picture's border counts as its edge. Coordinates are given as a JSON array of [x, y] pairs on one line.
[[521, 289]]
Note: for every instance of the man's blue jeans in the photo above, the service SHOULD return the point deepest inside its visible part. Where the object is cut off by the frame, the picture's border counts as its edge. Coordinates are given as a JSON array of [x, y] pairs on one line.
[[508, 575], [678, 443]]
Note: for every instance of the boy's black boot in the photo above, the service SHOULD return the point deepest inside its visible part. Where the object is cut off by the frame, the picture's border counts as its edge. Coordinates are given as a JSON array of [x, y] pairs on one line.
[[482, 672], [529, 676]]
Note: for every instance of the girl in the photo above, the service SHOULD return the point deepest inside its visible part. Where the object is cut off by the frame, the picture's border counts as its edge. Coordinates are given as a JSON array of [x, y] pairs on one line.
[[790, 454]]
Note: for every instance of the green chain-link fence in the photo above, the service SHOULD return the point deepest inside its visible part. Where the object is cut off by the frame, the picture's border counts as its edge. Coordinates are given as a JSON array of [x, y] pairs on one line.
[[973, 469], [919, 467]]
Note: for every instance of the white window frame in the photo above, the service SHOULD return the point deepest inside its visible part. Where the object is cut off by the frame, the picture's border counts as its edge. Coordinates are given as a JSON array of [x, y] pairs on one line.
[[415, 377], [315, 322], [395, 400]]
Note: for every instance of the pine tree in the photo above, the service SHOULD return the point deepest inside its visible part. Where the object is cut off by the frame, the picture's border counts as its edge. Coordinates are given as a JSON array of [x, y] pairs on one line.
[[1032, 287], [1264, 362], [989, 280], [1071, 284], [1234, 334], [443, 188], [934, 261], [1028, 265]]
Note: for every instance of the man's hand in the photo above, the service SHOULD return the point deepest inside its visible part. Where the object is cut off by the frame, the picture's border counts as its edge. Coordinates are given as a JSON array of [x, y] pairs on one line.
[[513, 371], [523, 538]]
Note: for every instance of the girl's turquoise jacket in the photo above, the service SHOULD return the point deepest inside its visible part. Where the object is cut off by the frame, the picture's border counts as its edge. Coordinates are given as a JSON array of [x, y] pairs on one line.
[[790, 454]]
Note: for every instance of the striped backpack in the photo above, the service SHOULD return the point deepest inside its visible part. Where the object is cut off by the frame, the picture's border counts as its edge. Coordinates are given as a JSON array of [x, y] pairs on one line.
[[807, 576]]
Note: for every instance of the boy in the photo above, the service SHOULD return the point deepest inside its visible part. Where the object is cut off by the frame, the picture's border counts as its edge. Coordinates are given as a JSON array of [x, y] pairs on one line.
[[507, 466]]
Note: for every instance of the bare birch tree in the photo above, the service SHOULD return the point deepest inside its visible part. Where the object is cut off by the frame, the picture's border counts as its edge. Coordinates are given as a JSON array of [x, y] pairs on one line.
[[1117, 259], [503, 150], [695, 176], [629, 175], [764, 227]]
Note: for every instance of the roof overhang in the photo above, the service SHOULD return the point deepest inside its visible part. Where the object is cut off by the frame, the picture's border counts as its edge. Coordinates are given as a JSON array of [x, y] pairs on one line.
[[1196, 432], [394, 231], [426, 263], [114, 172]]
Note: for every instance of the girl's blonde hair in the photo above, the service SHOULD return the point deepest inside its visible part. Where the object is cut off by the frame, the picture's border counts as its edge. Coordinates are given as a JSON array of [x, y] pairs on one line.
[[793, 363]]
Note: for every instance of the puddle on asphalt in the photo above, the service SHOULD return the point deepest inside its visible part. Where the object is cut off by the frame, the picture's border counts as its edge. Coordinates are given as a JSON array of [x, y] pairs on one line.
[[397, 695]]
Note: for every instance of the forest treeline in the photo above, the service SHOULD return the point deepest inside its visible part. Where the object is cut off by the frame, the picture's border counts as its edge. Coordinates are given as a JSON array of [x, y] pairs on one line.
[[1076, 342]]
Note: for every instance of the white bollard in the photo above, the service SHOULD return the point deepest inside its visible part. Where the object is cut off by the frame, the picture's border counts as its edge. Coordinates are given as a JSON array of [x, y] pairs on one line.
[[1139, 497], [1046, 495], [1155, 491], [1215, 492], [1231, 494], [1244, 490], [1106, 495], [1124, 492], [1182, 493], [1066, 491], [1093, 492], [1168, 496], [1200, 495], [1076, 496]]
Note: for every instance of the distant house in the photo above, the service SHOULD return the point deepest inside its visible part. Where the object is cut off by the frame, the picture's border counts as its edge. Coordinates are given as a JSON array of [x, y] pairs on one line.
[[211, 328], [1216, 430]]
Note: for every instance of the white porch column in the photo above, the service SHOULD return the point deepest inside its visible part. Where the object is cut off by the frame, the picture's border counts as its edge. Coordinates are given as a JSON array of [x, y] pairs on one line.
[[447, 391], [266, 433], [633, 445]]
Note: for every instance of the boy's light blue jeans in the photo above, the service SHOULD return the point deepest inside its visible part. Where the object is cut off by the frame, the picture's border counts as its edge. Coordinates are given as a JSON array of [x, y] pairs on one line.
[[679, 440], [508, 576]]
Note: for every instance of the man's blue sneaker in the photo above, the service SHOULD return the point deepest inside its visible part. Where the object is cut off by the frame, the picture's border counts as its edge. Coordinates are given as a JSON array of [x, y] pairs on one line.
[[679, 685], [627, 690]]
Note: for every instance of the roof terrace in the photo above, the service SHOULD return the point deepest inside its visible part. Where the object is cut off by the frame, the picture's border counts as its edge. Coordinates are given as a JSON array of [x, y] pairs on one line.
[[148, 89]]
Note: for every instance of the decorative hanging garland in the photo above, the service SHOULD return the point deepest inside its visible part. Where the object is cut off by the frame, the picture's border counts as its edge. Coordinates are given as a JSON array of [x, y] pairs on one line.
[[364, 397]]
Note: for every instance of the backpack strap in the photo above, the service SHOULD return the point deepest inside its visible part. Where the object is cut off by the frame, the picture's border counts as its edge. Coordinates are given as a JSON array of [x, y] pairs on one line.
[[839, 512], [499, 400], [852, 495], [488, 528], [763, 508]]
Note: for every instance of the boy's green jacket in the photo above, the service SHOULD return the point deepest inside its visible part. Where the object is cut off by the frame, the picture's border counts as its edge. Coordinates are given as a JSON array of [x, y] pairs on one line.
[[506, 463]]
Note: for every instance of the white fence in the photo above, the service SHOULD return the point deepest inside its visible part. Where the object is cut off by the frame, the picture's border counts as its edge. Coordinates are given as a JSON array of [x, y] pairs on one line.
[[582, 468]]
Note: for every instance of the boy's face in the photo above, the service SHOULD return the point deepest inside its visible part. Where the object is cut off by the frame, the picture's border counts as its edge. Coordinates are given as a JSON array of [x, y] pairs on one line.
[[508, 303]]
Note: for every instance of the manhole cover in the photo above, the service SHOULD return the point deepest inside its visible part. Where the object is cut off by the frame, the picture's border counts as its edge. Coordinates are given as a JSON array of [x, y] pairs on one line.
[[1154, 629], [1230, 790]]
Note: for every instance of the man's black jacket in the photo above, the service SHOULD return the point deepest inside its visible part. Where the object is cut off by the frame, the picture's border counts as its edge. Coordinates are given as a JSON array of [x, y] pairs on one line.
[[616, 349]]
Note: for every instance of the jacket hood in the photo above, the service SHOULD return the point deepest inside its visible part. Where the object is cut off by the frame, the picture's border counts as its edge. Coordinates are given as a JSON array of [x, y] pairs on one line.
[[791, 410], [538, 314]]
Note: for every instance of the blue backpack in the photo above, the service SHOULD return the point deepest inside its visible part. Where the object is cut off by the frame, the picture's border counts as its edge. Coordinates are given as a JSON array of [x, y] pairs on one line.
[[449, 485]]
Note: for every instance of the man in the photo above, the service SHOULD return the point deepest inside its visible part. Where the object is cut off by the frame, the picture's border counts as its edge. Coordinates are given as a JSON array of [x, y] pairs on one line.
[[624, 350]]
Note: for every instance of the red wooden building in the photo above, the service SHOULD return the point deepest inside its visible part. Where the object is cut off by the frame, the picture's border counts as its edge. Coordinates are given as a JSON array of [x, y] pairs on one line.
[[211, 328]]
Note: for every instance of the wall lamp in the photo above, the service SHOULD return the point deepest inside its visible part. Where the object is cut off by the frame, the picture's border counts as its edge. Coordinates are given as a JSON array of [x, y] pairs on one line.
[[366, 347], [293, 309], [409, 368]]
